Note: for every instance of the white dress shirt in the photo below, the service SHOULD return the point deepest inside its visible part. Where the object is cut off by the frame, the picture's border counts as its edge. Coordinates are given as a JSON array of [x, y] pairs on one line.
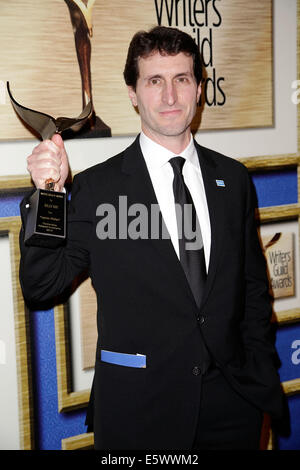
[[161, 174]]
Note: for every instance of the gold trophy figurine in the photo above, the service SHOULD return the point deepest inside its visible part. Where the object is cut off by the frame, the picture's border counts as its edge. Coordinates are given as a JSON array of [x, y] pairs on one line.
[[81, 17], [46, 223]]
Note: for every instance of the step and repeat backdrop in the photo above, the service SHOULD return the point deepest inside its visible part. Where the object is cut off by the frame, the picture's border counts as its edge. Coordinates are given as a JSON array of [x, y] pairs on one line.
[[41, 45], [57, 56]]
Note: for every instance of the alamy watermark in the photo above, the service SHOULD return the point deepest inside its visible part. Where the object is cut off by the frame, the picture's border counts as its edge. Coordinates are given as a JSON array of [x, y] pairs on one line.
[[135, 221], [296, 354], [295, 97]]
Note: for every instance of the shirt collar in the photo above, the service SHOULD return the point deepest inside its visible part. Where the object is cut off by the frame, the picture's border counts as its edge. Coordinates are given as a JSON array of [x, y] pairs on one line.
[[156, 155]]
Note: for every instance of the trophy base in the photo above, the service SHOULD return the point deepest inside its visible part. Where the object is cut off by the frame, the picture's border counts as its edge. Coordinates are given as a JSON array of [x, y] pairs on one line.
[[46, 222], [90, 130]]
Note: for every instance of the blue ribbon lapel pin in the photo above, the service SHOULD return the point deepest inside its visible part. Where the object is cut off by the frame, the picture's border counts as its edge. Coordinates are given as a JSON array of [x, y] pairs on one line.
[[220, 183]]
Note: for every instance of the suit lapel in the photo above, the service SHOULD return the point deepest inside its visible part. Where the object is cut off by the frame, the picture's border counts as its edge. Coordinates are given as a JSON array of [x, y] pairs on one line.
[[138, 182], [215, 202]]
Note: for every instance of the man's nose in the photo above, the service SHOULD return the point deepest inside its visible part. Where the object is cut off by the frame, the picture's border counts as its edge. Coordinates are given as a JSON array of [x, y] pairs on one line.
[[169, 93]]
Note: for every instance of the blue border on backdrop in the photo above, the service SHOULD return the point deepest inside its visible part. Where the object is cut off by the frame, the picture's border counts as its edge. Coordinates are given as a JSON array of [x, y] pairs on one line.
[[273, 188], [286, 334], [50, 426], [276, 188]]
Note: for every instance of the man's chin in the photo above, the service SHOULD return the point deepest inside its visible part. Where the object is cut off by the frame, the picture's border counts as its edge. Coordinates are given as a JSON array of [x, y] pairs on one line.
[[173, 131]]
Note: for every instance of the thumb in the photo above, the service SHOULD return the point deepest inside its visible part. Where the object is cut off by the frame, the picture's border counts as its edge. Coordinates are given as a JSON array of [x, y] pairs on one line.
[[64, 168], [57, 139]]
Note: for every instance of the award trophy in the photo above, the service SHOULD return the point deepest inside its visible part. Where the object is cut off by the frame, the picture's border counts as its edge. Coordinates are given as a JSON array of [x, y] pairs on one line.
[[81, 19], [46, 223]]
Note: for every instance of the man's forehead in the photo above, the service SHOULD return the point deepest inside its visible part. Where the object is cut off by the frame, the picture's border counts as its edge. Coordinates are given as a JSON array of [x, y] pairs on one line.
[[157, 61]]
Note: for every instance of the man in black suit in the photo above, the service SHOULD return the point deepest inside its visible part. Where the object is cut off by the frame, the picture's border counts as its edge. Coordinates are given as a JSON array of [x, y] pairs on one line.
[[184, 357]]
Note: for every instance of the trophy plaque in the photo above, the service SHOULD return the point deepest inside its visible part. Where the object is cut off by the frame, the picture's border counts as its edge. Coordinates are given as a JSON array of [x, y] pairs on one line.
[[46, 222]]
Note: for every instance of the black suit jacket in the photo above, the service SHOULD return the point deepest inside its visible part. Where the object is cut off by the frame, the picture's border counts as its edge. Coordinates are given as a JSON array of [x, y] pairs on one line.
[[145, 304]]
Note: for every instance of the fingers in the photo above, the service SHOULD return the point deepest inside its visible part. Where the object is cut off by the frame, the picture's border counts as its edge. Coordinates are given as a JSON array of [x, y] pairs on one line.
[[45, 162]]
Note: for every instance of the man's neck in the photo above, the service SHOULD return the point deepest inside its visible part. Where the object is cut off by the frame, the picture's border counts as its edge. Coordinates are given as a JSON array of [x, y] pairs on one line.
[[176, 144]]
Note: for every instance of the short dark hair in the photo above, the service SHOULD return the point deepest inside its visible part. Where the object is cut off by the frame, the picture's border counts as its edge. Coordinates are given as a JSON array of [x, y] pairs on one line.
[[169, 41]]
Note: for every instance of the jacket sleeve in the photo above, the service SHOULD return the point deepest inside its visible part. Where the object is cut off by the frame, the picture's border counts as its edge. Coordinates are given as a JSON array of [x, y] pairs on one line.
[[256, 328], [47, 272], [258, 376]]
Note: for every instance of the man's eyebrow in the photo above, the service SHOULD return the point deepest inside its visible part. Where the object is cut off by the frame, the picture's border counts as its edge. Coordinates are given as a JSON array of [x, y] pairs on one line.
[[155, 75], [158, 75], [188, 74]]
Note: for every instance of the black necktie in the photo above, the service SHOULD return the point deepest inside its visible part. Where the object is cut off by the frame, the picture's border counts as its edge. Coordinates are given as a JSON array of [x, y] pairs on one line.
[[191, 252]]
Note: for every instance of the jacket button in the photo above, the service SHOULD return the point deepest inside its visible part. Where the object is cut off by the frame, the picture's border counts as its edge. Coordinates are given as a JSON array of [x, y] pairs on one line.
[[201, 319], [196, 370]]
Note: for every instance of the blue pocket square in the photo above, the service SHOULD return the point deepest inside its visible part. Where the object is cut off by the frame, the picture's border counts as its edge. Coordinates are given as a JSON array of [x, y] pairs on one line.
[[122, 359]]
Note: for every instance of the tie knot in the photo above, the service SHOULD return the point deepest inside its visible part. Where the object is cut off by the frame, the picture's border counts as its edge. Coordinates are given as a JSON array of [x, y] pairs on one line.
[[177, 164]]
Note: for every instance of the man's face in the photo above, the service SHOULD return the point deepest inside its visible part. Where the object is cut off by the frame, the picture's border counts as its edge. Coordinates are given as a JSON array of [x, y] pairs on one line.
[[166, 95]]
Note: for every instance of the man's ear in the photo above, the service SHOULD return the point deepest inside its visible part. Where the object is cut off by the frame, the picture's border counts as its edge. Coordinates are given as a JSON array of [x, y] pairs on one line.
[[132, 95], [198, 92]]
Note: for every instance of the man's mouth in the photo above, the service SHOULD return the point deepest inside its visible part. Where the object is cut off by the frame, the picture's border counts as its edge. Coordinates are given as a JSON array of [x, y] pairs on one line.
[[170, 112]]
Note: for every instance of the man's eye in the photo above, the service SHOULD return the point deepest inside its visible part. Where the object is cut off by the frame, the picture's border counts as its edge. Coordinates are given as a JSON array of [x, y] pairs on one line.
[[154, 81], [182, 79]]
